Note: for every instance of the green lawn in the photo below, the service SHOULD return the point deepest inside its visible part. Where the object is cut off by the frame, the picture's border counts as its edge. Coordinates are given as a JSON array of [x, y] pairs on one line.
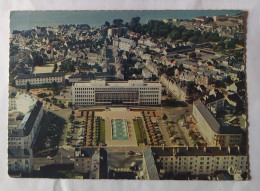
[[137, 133], [102, 131], [143, 130]]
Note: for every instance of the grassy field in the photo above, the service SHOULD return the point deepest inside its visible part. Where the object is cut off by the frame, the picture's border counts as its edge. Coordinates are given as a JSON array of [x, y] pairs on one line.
[[143, 130], [102, 131], [137, 132]]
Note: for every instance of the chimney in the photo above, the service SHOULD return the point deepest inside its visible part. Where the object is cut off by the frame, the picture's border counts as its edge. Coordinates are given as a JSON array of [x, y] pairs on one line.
[[220, 148], [205, 149], [229, 149], [187, 148]]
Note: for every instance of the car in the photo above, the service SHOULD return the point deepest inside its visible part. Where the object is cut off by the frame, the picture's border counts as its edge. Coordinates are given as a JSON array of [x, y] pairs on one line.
[[139, 154], [130, 152]]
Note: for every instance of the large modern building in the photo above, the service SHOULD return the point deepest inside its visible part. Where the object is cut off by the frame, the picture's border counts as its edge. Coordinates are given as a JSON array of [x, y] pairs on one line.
[[39, 79], [132, 92], [200, 160], [212, 131]]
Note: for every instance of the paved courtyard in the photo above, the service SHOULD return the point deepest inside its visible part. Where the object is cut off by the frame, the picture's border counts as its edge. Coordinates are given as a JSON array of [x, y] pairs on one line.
[[119, 113]]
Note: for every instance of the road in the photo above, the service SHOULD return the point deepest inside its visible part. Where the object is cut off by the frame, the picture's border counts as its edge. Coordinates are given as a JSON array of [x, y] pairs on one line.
[[62, 157]]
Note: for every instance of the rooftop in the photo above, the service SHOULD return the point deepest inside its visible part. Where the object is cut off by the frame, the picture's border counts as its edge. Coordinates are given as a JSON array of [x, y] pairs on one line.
[[130, 83], [210, 119], [40, 75], [88, 152], [28, 121], [198, 151], [150, 164]]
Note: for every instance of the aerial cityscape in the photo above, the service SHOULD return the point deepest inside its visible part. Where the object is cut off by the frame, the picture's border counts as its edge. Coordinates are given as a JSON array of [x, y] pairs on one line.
[[160, 99]]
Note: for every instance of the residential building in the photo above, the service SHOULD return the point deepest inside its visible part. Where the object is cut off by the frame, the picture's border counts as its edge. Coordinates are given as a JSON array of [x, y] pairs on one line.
[[101, 92], [174, 87], [85, 160], [200, 160], [91, 161], [22, 134], [212, 131], [126, 44], [39, 79], [19, 161]]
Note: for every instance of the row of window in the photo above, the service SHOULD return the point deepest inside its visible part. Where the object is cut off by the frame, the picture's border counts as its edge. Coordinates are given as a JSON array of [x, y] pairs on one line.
[[144, 95], [85, 95], [89, 100], [84, 88], [200, 167], [201, 158]]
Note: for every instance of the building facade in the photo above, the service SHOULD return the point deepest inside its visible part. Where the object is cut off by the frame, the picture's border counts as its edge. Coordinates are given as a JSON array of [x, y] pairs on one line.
[[101, 92], [20, 161], [39, 79], [200, 160], [22, 135], [211, 130]]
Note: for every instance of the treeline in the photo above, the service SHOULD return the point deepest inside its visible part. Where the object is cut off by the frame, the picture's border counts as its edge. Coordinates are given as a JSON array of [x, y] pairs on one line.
[[157, 29], [160, 29]]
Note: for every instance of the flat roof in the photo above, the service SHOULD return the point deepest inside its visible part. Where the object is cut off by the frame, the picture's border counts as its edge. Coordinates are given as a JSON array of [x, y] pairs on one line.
[[130, 83], [40, 75]]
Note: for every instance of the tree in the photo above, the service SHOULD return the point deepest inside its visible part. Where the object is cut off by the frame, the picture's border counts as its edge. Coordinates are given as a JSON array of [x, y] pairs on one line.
[[71, 118], [55, 68], [55, 88], [107, 24], [117, 22], [62, 105], [28, 87], [194, 137], [70, 104], [164, 92], [135, 25], [164, 117], [192, 55], [191, 132]]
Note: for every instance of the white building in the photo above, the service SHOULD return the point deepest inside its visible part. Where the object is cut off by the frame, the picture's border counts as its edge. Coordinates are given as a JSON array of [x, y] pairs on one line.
[[39, 79], [126, 44], [21, 138], [22, 134], [21, 102], [101, 92], [200, 160], [212, 131]]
